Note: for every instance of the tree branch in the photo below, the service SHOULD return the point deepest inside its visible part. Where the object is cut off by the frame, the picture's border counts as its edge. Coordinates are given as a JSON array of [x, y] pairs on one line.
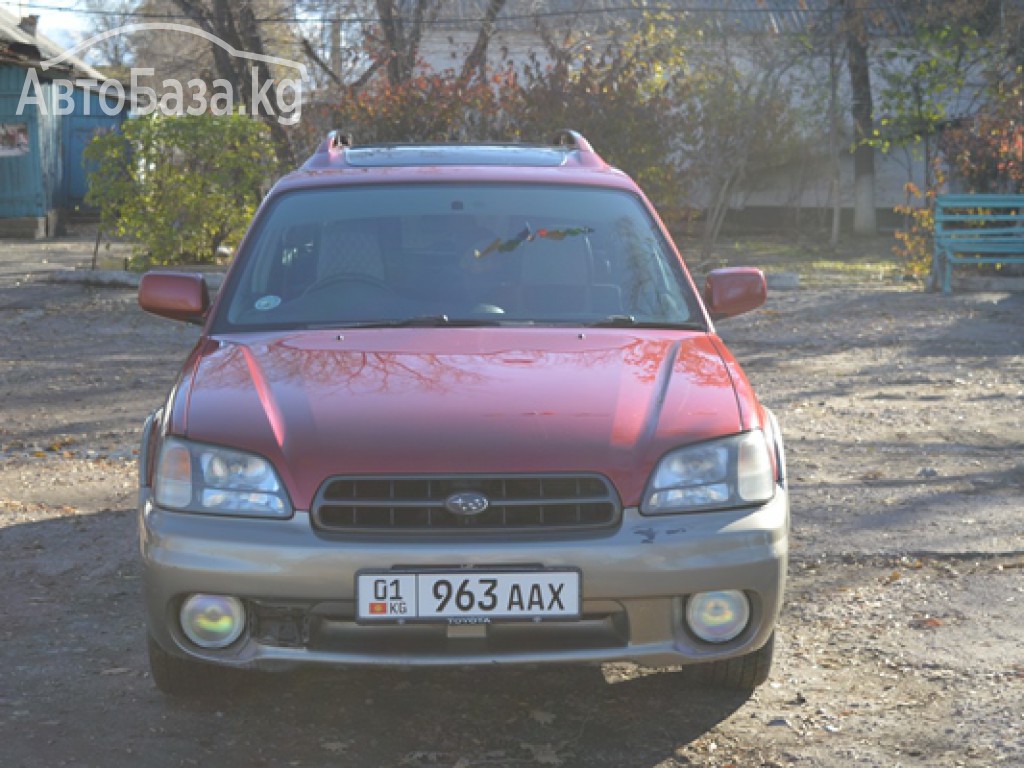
[[476, 61], [307, 48]]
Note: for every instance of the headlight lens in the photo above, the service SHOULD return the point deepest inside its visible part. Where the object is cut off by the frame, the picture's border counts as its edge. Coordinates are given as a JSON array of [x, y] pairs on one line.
[[733, 472], [204, 478]]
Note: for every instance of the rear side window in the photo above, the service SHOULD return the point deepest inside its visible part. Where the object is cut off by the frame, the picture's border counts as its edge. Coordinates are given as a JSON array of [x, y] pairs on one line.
[[516, 254]]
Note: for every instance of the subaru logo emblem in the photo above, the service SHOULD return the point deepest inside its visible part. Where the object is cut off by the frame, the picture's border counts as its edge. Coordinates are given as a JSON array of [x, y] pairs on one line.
[[466, 503]]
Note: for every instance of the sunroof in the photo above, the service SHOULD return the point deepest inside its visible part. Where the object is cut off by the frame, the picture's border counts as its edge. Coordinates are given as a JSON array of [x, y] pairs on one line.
[[504, 154]]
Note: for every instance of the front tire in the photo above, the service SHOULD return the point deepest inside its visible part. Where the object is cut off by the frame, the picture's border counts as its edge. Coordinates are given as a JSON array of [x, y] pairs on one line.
[[744, 673], [181, 677]]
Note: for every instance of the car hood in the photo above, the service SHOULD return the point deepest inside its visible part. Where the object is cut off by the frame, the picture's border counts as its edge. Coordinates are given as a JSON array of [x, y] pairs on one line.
[[458, 400]]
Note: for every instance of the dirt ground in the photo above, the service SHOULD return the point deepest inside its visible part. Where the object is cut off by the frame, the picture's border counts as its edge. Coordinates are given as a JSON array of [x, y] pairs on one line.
[[900, 644]]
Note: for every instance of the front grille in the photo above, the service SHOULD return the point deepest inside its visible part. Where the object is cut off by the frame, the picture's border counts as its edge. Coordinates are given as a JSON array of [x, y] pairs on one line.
[[515, 502]]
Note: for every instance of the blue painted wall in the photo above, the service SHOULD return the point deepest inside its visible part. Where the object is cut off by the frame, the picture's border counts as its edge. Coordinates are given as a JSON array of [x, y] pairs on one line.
[[52, 175], [27, 181], [77, 131]]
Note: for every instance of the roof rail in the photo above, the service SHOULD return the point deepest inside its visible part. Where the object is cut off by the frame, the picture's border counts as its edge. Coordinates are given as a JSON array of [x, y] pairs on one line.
[[331, 147], [566, 137], [338, 138], [574, 140], [332, 151]]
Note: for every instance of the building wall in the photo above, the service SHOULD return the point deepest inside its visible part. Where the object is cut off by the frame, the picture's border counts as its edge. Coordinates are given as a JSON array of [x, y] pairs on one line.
[[443, 49], [26, 180], [51, 176], [77, 130], [805, 187]]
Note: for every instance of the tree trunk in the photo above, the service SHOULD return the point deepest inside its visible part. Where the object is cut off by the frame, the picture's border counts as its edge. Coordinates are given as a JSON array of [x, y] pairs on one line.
[[835, 171], [242, 32], [476, 61], [402, 38], [863, 121]]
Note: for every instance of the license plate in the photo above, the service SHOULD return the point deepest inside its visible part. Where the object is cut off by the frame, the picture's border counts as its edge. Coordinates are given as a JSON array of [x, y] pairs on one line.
[[450, 595]]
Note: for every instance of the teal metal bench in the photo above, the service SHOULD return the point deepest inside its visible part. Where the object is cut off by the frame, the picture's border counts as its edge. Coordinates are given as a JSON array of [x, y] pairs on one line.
[[976, 229]]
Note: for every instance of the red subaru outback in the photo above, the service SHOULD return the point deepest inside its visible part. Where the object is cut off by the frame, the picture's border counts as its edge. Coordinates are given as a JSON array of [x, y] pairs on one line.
[[460, 405]]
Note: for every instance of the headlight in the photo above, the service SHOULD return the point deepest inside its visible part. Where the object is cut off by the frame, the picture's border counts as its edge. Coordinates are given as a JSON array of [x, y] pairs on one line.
[[733, 472], [203, 478]]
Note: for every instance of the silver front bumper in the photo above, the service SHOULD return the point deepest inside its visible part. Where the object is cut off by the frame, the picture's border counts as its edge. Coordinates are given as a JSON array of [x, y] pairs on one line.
[[299, 587]]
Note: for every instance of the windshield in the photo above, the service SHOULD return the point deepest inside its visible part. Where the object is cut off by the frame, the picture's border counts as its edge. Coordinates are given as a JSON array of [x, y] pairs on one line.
[[456, 254]]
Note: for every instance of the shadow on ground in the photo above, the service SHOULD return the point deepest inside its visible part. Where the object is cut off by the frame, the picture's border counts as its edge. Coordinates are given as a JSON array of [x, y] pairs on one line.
[[76, 688]]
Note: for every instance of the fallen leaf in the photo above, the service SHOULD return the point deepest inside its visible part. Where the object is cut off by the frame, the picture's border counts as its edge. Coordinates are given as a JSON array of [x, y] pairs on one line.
[[542, 717], [545, 754], [417, 758]]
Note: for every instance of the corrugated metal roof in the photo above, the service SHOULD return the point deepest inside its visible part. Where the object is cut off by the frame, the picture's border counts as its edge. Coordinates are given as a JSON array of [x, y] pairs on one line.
[[21, 45]]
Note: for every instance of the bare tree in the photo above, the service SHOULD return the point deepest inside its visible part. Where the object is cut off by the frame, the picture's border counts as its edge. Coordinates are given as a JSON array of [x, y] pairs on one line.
[[333, 40], [237, 24], [401, 31], [476, 61], [108, 15], [392, 40]]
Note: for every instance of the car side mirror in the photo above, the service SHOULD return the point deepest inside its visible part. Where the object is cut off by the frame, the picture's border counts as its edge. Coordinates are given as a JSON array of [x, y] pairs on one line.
[[733, 291], [177, 295]]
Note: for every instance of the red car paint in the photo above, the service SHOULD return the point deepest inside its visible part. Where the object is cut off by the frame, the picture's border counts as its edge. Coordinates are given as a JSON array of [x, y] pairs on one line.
[[486, 400], [367, 338]]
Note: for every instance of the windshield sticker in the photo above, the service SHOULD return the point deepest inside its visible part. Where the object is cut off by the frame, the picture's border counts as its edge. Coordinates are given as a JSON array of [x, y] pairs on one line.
[[268, 303]]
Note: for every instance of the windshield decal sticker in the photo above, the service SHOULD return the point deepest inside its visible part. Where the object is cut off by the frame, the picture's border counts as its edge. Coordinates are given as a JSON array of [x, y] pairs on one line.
[[267, 303]]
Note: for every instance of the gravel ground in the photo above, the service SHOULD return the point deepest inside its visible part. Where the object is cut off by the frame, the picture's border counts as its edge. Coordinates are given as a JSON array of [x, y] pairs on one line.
[[899, 644]]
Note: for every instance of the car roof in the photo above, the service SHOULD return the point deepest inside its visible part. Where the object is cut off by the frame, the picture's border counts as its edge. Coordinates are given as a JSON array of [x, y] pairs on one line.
[[568, 159], [394, 155]]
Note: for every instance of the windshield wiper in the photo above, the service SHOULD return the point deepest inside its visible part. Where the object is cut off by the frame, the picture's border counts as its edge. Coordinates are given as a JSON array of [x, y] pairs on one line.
[[628, 321], [424, 321]]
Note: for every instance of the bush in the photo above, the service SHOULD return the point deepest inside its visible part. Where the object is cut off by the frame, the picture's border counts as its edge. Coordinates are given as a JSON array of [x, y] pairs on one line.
[[611, 97], [914, 243], [180, 187], [430, 107]]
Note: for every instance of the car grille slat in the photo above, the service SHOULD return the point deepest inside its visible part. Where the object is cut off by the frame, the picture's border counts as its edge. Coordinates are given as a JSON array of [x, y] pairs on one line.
[[417, 503]]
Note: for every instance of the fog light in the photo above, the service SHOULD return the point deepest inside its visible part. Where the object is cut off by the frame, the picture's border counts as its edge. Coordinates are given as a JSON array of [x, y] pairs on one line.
[[717, 617], [212, 621]]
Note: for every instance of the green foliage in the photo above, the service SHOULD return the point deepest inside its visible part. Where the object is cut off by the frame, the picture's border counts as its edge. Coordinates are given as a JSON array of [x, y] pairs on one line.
[[983, 153], [180, 187], [920, 79]]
